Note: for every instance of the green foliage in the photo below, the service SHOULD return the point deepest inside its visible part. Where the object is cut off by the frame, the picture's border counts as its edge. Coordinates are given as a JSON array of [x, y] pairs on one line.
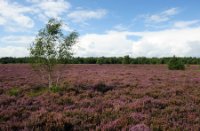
[[55, 89], [100, 61], [126, 60], [106, 60], [51, 47], [7, 60], [176, 64], [14, 91]]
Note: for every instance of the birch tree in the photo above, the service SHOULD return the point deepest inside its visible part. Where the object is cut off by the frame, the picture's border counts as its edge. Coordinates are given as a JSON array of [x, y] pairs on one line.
[[50, 47]]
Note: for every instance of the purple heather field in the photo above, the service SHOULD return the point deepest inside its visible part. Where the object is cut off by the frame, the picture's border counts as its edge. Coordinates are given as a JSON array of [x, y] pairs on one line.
[[101, 97]]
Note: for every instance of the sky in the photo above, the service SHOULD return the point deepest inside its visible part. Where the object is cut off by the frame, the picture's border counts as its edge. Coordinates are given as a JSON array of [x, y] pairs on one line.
[[150, 28]]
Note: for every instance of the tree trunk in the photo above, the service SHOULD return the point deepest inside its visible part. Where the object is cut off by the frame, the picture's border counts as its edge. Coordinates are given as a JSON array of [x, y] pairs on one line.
[[58, 78], [50, 80]]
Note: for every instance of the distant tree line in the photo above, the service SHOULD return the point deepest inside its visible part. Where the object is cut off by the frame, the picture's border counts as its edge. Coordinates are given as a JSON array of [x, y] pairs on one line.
[[14, 60], [108, 60]]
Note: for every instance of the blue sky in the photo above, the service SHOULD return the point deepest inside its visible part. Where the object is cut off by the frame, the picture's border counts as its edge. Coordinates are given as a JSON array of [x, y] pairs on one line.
[[107, 27]]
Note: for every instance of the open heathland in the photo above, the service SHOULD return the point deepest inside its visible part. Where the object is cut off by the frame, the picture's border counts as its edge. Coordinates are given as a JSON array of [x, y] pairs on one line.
[[101, 97]]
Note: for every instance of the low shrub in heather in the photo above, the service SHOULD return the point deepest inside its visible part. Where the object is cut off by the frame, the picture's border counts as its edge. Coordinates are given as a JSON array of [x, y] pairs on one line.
[[14, 91], [55, 89], [102, 87]]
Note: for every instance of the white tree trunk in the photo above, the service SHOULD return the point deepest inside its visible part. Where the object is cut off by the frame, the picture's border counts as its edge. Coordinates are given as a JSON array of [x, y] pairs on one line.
[[50, 80]]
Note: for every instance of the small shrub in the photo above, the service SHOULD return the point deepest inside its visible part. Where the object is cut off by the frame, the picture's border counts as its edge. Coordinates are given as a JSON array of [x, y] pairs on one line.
[[14, 91], [102, 87], [55, 89], [176, 64]]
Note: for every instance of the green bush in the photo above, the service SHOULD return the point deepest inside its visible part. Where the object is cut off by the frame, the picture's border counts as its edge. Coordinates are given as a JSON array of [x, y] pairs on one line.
[[55, 89], [100, 61], [14, 91], [126, 60], [176, 64]]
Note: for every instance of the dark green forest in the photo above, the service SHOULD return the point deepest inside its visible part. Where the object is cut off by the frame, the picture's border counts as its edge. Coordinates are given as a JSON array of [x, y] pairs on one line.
[[107, 60]]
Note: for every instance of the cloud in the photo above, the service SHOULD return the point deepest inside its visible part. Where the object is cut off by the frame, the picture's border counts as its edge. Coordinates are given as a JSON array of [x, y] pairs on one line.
[[50, 8], [65, 27], [14, 16], [109, 44], [12, 51], [84, 15], [161, 17], [179, 42], [169, 42], [17, 40], [2, 21], [120, 27], [184, 24], [15, 46]]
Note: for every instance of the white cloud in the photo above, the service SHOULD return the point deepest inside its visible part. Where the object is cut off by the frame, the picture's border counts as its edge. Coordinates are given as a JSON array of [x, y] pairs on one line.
[[179, 42], [184, 24], [170, 12], [15, 46], [12, 51], [162, 17], [14, 16], [182, 40], [17, 40], [84, 15], [170, 42], [109, 44], [65, 27], [50, 8], [120, 27], [2, 21]]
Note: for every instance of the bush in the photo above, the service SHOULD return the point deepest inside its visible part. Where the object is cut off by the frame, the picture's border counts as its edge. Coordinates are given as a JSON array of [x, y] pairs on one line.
[[55, 89], [176, 64], [100, 61], [126, 60], [102, 87]]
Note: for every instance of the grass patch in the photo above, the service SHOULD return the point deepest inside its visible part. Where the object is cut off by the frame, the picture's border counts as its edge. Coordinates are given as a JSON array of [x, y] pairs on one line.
[[41, 90], [14, 91], [55, 89]]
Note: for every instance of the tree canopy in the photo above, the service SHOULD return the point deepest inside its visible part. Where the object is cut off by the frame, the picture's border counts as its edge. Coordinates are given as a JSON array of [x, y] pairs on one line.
[[51, 46]]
